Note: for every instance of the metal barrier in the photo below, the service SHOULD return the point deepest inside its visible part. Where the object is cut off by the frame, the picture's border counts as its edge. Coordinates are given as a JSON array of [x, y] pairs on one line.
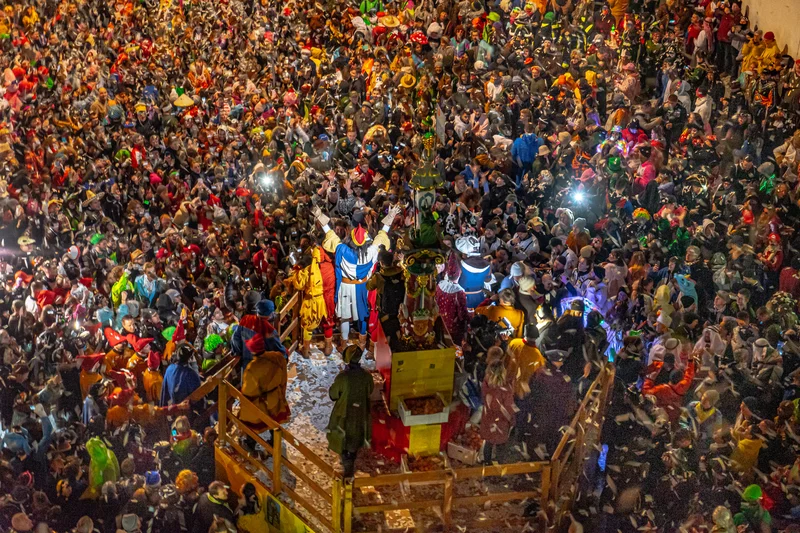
[[556, 493]]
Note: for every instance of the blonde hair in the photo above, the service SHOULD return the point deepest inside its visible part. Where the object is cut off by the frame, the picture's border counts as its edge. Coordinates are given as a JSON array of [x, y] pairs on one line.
[[496, 374]]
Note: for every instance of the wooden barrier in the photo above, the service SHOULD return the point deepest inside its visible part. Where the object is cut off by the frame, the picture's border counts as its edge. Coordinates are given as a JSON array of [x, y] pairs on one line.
[[291, 310], [329, 513], [559, 476]]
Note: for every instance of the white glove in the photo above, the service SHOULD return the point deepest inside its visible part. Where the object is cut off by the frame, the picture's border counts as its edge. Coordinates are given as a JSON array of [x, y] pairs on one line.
[[391, 215], [319, 216]]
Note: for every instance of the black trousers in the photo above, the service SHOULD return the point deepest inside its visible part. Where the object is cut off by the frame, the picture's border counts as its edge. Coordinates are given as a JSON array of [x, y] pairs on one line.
[[349, 463]]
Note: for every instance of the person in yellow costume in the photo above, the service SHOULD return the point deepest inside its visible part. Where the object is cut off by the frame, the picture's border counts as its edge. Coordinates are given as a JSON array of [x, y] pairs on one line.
[[30, 18], [119, 354], [91, 366], [751, 52], [526, 359], [152, 379], [771, 54], [505, 309], [307, 279]]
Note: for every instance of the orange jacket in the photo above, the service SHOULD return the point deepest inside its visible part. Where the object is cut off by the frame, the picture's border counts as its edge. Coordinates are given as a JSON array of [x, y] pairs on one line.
[[670, 396]]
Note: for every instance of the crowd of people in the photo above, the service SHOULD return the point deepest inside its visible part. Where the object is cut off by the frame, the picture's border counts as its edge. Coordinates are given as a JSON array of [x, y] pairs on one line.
[[618, 186]]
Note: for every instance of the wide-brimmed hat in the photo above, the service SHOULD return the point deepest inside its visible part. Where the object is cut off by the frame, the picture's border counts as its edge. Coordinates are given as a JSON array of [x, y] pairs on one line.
[[92, 196], [408, 81], [390, 21], [183, 100]]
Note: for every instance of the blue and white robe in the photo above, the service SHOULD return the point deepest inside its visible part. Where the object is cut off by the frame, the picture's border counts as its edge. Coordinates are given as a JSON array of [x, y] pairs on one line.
[[351, 299], [475, 273]]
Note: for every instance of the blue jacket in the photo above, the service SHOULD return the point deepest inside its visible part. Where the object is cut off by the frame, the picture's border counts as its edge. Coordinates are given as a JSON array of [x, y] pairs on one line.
[[526, 148], [179, 382], [240, 337]]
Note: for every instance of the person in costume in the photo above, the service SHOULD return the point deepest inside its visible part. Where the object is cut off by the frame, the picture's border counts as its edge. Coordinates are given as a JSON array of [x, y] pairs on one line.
[[350, 424], [103, 466], [307, 278], [355, 259], [451, 299], [264, 384], [180, 379], [476, 271]]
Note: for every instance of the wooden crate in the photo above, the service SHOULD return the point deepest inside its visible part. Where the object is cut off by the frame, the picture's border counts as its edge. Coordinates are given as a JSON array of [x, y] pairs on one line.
[[423, 420]]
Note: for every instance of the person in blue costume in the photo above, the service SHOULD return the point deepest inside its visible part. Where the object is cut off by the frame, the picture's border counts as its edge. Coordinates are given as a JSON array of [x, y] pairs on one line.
[[354, 260], [475, 270]]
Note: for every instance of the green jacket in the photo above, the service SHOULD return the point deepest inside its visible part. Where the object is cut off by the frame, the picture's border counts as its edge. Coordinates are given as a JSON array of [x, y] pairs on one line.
[[350, 426]]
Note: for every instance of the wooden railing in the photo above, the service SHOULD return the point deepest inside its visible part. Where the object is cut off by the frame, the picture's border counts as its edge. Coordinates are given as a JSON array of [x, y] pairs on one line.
[[569, 460], [215, 374], [292, 329], [328, 514], [559, 476]]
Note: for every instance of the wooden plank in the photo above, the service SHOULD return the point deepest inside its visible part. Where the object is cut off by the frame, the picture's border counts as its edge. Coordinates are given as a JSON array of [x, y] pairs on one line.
[[293, 347], [223, 413], [289, 306], [545, 487], [313, 511], [309, 454], [294, 469], [252, 434], [348, 507], [447, 504], [249, 458], [276, 460], [336, 505], [396, 479], [290, 328], [223, 363], [495, 498], [400, 506], [500, 470]]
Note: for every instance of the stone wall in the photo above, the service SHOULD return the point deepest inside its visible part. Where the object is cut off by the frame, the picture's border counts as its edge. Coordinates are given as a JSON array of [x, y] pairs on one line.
[[782, 17]]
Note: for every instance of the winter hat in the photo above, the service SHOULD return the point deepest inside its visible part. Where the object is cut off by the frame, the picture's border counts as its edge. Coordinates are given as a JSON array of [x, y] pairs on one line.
[[152, 479], [527, 285], [664, 320], [153, 360], [352, 354], [114, 339], [769, 36], [21, 523], [256, 343], [130, 523], [453, 267], [265, 308]]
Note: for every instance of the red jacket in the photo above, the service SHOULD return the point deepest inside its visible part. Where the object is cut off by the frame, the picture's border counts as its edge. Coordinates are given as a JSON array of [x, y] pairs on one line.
[[669, 396], [725, 27]]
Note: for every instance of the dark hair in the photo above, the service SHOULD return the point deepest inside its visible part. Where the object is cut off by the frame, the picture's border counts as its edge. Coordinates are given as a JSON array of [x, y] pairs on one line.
[[184, 353], [251, 503]]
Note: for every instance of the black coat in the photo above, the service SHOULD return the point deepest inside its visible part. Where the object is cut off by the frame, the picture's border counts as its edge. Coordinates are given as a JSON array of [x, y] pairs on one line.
[[205, 511]]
